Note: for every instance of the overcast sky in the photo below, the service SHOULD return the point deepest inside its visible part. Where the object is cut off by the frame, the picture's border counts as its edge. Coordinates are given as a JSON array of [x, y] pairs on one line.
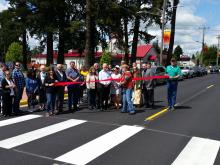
[[191, 16]]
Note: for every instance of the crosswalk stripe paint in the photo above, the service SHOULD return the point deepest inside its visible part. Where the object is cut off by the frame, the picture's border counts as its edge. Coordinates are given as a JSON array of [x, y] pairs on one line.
[[93, 149], [18, 120], [39, 133], [198, 151]]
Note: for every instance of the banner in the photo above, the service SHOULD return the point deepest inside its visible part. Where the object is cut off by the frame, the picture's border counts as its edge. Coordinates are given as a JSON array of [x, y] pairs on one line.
[[166, 37]]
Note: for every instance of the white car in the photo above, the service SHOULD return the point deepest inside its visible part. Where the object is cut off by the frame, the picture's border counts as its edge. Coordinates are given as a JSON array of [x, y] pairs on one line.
[[187, 72]]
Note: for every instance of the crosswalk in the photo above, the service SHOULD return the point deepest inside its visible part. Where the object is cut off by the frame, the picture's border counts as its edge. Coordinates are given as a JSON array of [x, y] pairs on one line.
[[92, 142]]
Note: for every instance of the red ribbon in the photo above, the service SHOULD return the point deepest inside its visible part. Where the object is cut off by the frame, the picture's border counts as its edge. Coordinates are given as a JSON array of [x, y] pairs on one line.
[[111, 79]]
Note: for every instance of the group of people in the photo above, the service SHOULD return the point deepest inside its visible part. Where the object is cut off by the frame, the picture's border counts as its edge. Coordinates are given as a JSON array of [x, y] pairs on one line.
[[120, 86]]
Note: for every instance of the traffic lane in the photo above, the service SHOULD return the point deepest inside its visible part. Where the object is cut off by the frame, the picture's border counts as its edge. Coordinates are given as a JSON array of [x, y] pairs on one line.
[[197, 117], [146, 147], [10, 157], [186, 88], [112, 116]]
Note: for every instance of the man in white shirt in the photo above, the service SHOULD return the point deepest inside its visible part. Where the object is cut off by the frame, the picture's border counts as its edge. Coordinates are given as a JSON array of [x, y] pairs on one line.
[[104, 88]]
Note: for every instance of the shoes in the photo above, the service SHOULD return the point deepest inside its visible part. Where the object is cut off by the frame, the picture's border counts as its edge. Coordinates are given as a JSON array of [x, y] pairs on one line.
[[171, 108], [47, 114], [132, 113]]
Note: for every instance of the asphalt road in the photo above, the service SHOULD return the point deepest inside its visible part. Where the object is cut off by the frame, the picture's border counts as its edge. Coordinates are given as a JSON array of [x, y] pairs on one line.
[[190, 135]]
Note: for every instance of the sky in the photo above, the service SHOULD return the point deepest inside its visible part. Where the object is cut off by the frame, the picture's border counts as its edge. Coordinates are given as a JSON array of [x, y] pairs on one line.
[[192, 15]]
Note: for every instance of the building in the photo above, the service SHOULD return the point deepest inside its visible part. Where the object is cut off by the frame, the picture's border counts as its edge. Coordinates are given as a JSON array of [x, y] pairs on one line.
[[185, 60], [145, 53]]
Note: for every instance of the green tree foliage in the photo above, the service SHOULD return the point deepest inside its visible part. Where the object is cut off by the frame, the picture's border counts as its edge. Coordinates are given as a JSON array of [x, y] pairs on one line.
[[106, 58], [177, 52], [14, 52], [210, 56]]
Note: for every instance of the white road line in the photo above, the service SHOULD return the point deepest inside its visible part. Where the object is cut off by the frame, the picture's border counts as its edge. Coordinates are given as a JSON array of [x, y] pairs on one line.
[[93, 149], [18, 120], [198, 151], [39, 133]]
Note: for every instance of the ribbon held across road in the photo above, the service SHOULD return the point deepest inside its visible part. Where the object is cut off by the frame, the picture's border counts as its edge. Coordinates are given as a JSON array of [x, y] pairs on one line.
[[112, 79]]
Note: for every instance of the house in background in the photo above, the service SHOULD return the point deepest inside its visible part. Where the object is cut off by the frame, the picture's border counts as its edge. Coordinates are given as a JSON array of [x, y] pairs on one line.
[[185, 60], [145, 53]]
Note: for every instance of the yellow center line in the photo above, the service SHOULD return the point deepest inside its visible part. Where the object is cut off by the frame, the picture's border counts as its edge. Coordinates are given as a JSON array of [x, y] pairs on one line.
[[210, 86], [157, 114]]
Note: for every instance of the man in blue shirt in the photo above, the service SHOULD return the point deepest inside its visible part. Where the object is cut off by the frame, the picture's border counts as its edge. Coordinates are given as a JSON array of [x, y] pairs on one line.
[[19, 80], [73, 90], [174, 72]]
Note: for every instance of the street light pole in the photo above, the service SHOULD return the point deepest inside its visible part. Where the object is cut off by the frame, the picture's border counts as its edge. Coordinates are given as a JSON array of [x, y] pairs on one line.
[[163, 26]]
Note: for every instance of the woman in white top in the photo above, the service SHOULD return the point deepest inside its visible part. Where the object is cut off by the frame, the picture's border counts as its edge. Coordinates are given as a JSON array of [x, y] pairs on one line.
[[8, 94], [91, 85], [115, 87]]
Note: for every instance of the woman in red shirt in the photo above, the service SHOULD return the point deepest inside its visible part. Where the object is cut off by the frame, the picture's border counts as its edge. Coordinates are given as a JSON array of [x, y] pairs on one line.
[[127, 90]]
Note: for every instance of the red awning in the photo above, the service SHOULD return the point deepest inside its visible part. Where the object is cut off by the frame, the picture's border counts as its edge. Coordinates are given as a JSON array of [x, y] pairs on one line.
[[152, 57]]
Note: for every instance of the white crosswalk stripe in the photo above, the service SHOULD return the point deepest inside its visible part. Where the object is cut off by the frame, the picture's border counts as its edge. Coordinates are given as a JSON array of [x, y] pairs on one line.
[[18, 120], [40, 133], [198, 151], [93, 149]]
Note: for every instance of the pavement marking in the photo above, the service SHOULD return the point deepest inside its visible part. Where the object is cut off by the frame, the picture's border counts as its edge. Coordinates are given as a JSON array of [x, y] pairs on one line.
[[198, 151], [157, 114], [18, 120], [93, 149], [39, 133], [210, 86]]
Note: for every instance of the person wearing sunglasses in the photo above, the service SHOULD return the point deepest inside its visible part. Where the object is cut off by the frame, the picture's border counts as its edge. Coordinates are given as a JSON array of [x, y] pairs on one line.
[[19, 80]]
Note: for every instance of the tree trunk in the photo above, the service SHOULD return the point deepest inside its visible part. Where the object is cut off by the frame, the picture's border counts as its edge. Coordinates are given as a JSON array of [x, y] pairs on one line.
[[126, 47], [173, 28], [61, 47], [24, 44], [89, 48], [135, 39], [49, 48]]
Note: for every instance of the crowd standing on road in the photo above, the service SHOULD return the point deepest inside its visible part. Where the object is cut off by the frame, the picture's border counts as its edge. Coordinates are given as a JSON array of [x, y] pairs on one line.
[[119, 87]]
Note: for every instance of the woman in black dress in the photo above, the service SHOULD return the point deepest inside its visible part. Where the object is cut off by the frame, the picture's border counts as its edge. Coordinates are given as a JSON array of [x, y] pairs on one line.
[[8, 87]]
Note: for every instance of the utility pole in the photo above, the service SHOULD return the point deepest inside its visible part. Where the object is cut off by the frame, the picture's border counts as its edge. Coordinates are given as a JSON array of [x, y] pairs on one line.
[[217, 58], [163, 25], [204, 28]]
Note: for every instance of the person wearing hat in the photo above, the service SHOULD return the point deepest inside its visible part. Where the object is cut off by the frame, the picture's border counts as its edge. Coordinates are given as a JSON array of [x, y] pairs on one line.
[[115, 87], [174, 72], [127, 90]]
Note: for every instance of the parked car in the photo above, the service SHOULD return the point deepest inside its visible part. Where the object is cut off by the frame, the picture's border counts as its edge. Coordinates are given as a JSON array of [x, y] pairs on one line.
[[187, 72], [204, 71], [214, 69], [198, 71], [159, 71]]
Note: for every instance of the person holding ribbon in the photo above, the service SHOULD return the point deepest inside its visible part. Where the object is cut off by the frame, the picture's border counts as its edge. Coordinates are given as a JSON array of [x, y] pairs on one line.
[[127, 90], [73, 89], [174, 72], [148, 85], [104, 88], [91, 85]]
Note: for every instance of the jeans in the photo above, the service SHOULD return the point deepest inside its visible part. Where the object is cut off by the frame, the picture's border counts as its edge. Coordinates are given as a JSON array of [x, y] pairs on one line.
[[73, 97], [17, 99], [172, 92], [51, 99], [127, 102]]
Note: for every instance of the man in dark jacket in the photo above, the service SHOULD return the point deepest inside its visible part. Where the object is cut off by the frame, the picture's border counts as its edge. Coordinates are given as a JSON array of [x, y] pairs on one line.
[[148, 86], [61, 77]]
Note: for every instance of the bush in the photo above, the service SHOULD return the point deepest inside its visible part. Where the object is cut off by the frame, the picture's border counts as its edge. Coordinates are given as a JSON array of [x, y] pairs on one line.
[[14, 52], [106, 58]]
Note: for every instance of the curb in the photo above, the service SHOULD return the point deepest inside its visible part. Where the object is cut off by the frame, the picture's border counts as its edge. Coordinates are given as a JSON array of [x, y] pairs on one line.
[[24, 102]]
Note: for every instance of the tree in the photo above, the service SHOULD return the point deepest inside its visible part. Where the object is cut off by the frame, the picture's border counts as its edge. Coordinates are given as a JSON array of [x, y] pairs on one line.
[[14, 52], [177, 52], [173, 28], [106, 58], [209, 57]]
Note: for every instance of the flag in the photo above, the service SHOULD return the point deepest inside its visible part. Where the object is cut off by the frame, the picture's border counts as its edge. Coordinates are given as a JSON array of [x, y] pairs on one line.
[[166, 37]]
